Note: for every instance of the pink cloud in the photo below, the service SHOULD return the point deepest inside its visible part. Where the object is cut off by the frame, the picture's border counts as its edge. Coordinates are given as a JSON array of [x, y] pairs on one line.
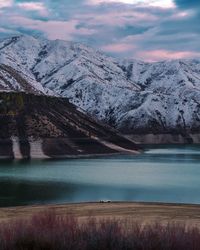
[[181, 15], [119, 17], [110, 1], [53, 29], [159, 55], [155, 3], [6, 3], [34, 6], [166, 4], [118, 48]]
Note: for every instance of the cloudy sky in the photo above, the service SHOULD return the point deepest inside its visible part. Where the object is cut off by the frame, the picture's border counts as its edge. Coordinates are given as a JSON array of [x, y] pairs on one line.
[[149, 30]]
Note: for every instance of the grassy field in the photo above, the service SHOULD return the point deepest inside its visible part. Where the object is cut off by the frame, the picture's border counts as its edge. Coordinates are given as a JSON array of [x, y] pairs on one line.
[[101, 226], [141, 212]]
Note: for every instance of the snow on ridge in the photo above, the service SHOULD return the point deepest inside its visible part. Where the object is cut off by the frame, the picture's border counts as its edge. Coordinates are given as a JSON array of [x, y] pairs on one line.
[[129, 94]]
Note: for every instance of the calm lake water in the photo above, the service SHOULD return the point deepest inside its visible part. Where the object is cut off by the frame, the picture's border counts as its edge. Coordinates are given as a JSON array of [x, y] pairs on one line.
[[168, 174]]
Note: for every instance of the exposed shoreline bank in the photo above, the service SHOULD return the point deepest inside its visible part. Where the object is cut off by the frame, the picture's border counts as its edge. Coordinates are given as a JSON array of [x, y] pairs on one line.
[[71, 157], [156, 139]]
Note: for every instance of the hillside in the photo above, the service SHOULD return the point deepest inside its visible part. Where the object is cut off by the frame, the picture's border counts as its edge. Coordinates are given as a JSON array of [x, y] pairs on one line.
[[38, 126], [145, 100]]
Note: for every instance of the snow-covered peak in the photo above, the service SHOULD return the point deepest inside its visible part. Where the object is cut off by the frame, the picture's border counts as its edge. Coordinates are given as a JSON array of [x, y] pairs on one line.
[[132, 95], [20, 52], [164, 75], [55, 63]]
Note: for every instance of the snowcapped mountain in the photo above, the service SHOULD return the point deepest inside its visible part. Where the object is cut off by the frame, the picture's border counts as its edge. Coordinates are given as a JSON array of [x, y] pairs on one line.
[[171, 91], [133, 96]]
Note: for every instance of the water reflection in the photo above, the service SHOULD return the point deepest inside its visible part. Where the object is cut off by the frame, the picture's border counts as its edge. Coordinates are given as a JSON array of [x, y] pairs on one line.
[[168, 174]]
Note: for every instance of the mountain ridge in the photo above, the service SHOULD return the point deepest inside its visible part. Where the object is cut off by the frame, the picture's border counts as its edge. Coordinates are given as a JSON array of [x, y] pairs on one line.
[[133, 96]]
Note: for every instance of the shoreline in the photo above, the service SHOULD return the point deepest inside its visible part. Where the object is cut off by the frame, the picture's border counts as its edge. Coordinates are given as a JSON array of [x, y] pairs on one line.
[[144, 212], [188, 138], [72, 157]]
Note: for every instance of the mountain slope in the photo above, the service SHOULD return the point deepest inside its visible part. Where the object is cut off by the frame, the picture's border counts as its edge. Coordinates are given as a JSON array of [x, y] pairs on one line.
[[172, 94], [12, 80], [38, 126], [68, 69], [132, 96]]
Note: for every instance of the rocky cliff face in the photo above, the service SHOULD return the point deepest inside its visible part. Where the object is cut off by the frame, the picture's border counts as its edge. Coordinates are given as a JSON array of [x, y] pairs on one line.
[[34, 126], [132, 96]]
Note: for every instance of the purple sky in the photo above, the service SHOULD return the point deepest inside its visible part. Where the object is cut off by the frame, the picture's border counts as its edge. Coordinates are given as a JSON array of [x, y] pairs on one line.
[[150, 30]]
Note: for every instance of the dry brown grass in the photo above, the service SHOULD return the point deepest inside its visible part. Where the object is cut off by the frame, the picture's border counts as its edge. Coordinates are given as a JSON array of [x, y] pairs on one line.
[[49, 231], [140, 212]]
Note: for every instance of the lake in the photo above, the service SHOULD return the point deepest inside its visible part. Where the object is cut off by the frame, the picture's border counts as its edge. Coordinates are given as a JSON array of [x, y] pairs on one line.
[[162, 174]]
